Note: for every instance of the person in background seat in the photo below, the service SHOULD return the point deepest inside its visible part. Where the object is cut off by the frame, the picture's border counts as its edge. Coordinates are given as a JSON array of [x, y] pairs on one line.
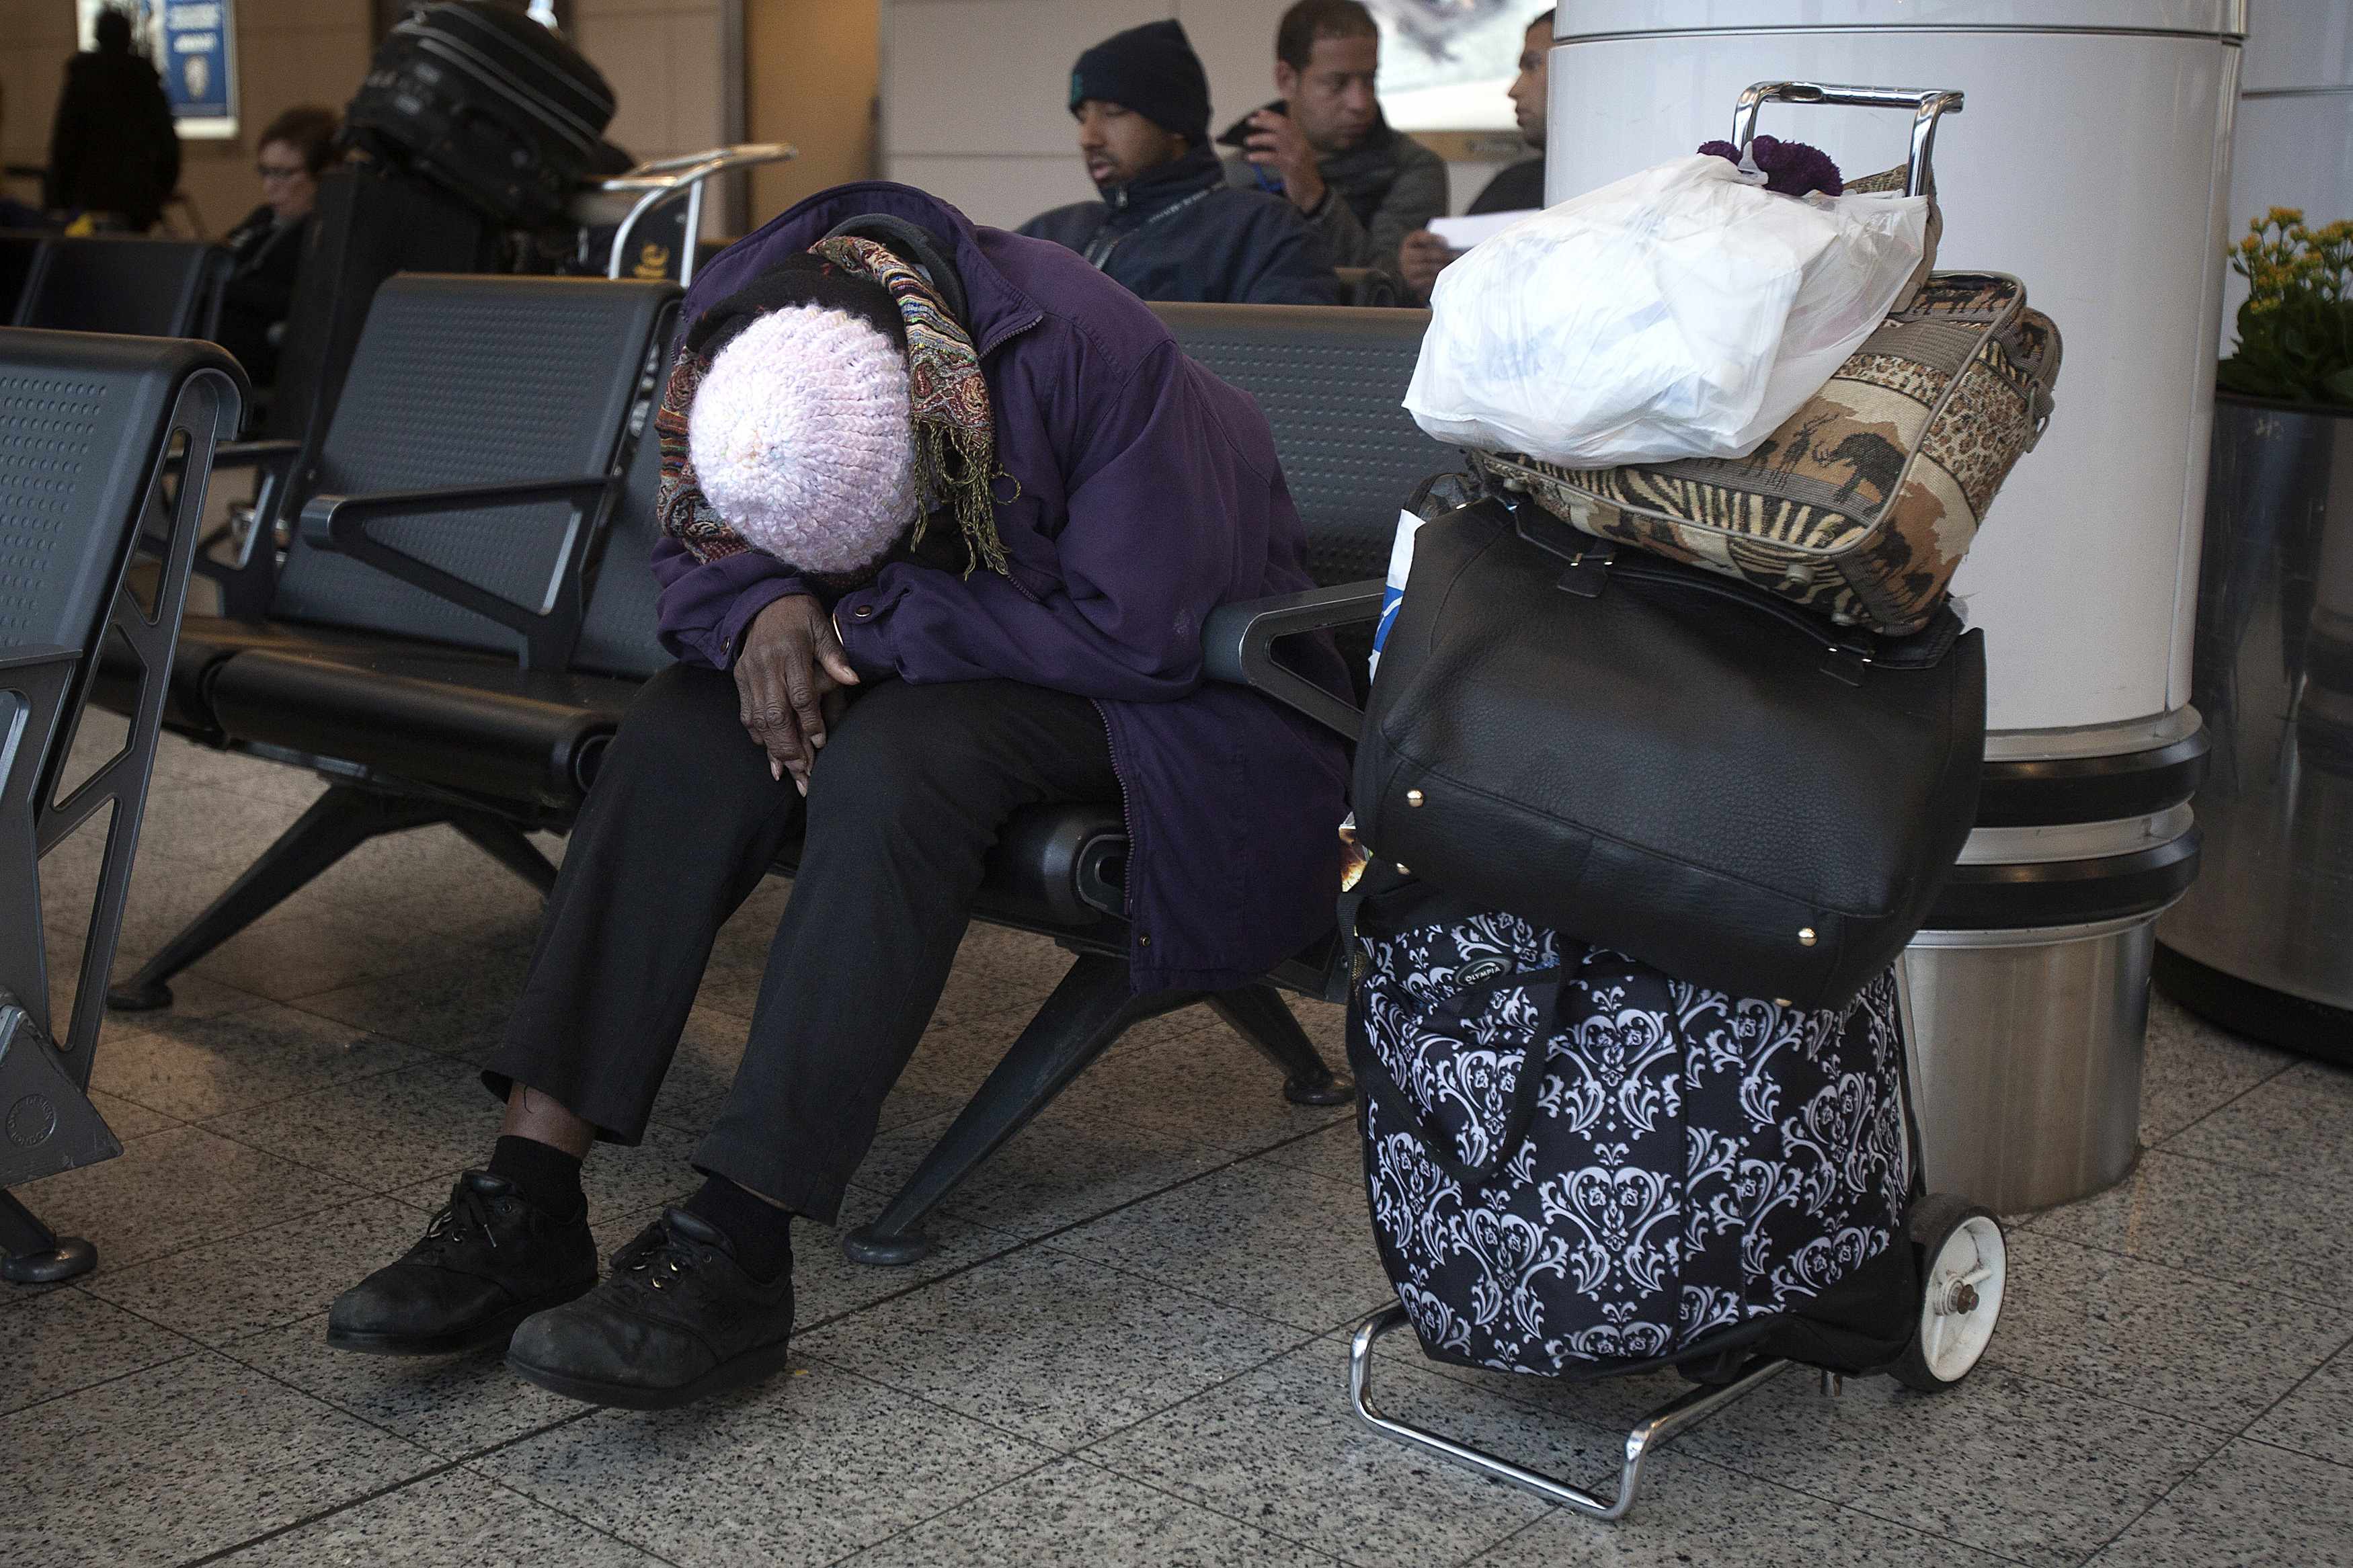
[[1324, 146], [295, 149], [1168, 226], [1517, 188], [114, 149]]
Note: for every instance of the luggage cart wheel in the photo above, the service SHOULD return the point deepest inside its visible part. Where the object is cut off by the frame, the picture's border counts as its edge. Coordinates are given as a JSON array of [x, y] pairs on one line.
[[1963, 1269]]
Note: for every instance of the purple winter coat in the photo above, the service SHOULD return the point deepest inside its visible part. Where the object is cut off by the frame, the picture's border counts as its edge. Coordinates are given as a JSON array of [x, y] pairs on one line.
[[1150, 494]]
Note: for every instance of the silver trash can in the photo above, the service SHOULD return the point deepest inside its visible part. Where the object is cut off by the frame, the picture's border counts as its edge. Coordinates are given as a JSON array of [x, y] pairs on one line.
[[2027, 1009], [2026, 1058], [2028, 994]]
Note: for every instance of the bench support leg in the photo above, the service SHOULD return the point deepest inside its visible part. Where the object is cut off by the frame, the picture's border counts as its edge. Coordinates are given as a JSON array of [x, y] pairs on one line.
[[338, 822], [32, 1254], [1090, 1008], [1259, 1014], [508, 845]]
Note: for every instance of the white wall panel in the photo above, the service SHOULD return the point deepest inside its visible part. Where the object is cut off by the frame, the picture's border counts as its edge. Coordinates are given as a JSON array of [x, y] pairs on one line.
[[1005, 190], [989, 76], [2297, 43], [2293, 152], [1235, 40]]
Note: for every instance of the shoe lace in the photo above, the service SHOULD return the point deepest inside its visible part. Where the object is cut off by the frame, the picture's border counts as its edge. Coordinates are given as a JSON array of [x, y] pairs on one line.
[[467, 1214], [663, 1261]]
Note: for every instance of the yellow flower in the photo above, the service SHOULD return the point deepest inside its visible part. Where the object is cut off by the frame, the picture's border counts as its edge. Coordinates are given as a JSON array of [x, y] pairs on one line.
[[2282, 256]]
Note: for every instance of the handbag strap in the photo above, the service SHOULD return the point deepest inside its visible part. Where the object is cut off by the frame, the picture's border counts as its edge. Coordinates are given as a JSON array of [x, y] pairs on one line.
[[1812, 628], [1593, 561], [1527, 1090], [1923, 649]]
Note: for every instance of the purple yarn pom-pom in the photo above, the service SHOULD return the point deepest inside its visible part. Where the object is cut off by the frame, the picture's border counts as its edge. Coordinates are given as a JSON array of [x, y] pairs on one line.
[[1791, 168]]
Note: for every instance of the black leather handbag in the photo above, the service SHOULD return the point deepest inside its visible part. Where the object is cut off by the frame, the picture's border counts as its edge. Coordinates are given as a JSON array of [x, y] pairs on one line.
[[1665, 762]]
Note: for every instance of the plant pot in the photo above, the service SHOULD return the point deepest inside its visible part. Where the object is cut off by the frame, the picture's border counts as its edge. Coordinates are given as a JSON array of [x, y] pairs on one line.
[[2262, 945]]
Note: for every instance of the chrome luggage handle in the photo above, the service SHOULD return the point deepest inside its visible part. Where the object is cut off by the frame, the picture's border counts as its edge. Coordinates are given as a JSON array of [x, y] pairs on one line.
[[1927, 105]]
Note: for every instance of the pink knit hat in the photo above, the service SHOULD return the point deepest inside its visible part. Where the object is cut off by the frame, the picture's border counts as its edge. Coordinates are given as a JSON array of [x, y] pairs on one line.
[[802, 436]]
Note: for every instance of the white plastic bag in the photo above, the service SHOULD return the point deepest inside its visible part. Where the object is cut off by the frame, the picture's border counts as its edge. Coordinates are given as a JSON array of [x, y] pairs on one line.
[[1685, 311]]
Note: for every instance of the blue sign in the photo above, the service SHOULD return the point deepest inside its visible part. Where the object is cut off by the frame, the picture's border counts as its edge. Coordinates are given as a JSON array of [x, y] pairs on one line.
[[189, 42], [199, 73]]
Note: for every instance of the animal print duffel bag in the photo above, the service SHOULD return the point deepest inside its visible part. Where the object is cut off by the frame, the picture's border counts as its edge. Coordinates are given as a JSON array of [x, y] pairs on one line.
[[1577, 1163], [1861, 506]]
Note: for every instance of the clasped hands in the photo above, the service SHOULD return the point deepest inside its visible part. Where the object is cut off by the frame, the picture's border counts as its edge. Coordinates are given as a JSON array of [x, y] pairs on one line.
[[792, 681]]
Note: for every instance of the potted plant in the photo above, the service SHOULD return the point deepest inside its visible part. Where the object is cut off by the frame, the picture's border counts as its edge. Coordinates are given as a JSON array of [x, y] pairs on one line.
[[2262, 943], [2295, 330]]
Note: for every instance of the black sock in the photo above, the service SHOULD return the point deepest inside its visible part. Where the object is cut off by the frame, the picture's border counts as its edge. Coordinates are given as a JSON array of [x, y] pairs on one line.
[[547, 1178], [761, 1232]]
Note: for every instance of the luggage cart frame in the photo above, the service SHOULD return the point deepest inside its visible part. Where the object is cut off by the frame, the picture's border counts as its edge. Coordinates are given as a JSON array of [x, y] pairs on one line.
[[659, 181]]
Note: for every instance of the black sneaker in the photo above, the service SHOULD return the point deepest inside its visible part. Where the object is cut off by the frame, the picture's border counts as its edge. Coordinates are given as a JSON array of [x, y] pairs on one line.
[[486, 1261], [674, 1321]]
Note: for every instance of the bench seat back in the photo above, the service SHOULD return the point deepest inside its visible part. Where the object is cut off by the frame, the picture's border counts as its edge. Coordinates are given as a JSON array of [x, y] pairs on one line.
[[122, 283], [616, 635], [1331, 380], [463, 380], [100, 434]]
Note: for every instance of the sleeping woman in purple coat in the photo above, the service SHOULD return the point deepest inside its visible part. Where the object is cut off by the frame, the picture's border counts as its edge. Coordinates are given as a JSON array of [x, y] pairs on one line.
[[944, 511]]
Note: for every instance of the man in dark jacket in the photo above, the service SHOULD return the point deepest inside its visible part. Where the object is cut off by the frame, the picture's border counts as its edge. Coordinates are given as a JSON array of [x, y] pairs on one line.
[[1168, 226], [1037, 638], [114, 148], [1518, 187], [1324, 146]]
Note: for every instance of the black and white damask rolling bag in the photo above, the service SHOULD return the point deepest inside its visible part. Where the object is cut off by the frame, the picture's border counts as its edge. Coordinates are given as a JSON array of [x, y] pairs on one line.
[[1580, 1167]]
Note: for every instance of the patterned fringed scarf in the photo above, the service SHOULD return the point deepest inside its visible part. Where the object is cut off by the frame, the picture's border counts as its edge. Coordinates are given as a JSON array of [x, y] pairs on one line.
[[956, 435]]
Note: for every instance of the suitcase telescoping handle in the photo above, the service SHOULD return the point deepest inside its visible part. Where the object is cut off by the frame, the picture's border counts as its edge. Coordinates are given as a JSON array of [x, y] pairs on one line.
[[1927, 106]]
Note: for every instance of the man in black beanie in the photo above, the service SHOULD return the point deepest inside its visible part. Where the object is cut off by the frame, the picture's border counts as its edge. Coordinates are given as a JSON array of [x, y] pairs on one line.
[[1169, 226]]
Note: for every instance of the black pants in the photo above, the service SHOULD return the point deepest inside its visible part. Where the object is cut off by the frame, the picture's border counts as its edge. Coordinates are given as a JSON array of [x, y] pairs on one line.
[[904, 801]]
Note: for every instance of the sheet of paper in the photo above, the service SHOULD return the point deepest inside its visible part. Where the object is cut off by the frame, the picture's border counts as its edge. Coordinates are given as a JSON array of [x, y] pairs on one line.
[[1463, 233]]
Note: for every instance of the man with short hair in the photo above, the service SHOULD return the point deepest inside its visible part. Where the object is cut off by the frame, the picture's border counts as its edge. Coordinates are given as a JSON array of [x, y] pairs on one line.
[[1324, 146], [1423, 256], [1169, 226]]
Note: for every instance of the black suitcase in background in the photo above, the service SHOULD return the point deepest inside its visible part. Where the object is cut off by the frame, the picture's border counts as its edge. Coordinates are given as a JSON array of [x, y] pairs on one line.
[[371, 222], [487, 102]]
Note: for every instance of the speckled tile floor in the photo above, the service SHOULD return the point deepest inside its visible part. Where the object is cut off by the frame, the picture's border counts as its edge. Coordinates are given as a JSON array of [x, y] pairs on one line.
[[1126, 1348]]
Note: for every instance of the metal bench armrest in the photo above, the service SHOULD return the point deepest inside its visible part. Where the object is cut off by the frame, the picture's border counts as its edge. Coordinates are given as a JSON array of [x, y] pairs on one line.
[[1238, 646], [248, 580], [255, 454], [341, 523]]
